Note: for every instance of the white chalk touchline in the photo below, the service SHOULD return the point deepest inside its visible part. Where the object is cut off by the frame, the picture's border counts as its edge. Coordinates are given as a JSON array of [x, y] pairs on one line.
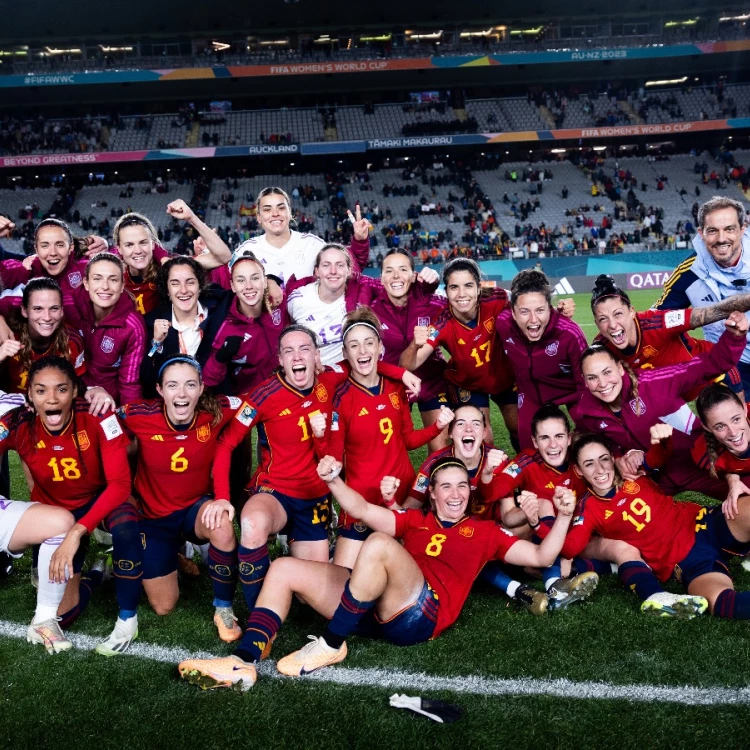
[[420, 683]]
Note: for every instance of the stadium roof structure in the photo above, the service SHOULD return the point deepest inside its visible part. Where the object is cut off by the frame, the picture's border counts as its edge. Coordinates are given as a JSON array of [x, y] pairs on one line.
[[86, 19]]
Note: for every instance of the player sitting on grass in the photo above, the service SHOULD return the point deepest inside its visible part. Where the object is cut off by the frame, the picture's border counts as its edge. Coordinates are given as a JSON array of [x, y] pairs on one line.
[[686, 540], [409, 593]]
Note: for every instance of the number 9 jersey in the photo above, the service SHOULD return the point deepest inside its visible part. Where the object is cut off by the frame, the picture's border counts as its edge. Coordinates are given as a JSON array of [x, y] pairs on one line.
[[174, 465]]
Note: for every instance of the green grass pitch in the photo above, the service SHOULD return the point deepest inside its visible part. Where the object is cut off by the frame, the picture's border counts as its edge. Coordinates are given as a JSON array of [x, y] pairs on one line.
[[83, 700]]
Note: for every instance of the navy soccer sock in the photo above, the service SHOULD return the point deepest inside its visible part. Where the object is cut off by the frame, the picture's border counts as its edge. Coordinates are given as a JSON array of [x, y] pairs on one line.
[[584, 565], [345, 618], [261, 628], [127, 558], [640, 579], [494, 574], [254, 564], [733, 605], [89, 584], [223, 567]]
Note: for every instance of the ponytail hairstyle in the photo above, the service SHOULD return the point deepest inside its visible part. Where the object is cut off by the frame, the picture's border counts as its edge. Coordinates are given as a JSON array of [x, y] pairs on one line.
[[362, 316], [162, 276], [604, 288], [273, 190], [138, 220], [78, 245], [60, 342], [402, 252], [530, 281], [711, 396], [590, 351], [67, 370], [115, 260], [207, 402], [299, 329], [581, 441]]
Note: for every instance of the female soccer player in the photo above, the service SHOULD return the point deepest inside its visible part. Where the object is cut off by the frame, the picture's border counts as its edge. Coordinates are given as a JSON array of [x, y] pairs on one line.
[[692, 542], [244, 351], [39, 331], [478, 369], [177, 436], [79, 462], [402, 301], [657, 338], [188, 319], [409, 593], [724, 446], [322, 303], [286, 492], [543, 347], [371, 428], [285, 252], [113, 331], [626, 406]]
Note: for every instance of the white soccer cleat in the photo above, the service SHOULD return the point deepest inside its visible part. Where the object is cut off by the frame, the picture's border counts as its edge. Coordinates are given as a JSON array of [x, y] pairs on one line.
[[125, 632], [316, 655], [678, 606], [49, 634]]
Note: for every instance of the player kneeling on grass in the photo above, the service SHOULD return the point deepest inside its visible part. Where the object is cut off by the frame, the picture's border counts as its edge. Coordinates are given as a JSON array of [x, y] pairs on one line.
[[686, 540], [410, 593]]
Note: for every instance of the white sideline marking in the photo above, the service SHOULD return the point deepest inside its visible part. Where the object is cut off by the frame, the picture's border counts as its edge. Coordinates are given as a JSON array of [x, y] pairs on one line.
[[474, 685]]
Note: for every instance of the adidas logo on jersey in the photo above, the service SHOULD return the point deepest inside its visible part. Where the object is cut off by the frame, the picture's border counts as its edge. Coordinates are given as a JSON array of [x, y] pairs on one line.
[[607, 514], [285, 413], [40, 445], [550, 486], [310, 317], [363, 413], [461, 341], [158, 438]]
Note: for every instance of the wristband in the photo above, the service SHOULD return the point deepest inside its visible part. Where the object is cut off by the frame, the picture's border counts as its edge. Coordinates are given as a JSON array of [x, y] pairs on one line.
[[389, 503], [537, 524], [156, 346]]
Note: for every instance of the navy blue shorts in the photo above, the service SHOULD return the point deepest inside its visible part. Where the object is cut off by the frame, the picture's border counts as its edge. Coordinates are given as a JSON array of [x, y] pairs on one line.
[[434, 403], [713, 547], [357, 531], [162, 538], [413, 624], [307, 520]]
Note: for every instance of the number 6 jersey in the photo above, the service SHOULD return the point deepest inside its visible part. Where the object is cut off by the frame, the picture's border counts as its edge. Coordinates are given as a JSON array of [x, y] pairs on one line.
[[174, 465]]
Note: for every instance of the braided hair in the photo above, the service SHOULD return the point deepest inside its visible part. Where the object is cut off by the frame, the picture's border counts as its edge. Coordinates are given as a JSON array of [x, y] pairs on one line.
[[64, 367], [710, 397], [207, 402]]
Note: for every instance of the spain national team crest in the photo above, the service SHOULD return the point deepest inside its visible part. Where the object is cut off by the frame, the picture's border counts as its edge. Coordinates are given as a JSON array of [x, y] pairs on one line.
[[638, 407], [467, 531], [423, 322], [276, 316], [82, 438], [649, 352], [75, 279], [631, 488], [489, 325], [551, 349], [321, 393], [395, 400], [463, 395], [203, 433], [108, 344]]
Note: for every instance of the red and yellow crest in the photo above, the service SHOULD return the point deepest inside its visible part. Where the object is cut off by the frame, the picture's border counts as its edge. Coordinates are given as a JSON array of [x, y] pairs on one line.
[[203, 433], [395, 400], [321, 393], [631, 488], [82, 439], [467, 531], [649, 351], [489, 325]]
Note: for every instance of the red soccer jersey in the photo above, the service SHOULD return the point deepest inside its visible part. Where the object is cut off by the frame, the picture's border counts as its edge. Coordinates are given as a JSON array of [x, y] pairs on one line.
[[288, 460], [14, 376], [659, 527], [528, 471], [174, 466], [144, 293], [87, 459], [451, 557], [373, 434], [420, 488], [477, 363]]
